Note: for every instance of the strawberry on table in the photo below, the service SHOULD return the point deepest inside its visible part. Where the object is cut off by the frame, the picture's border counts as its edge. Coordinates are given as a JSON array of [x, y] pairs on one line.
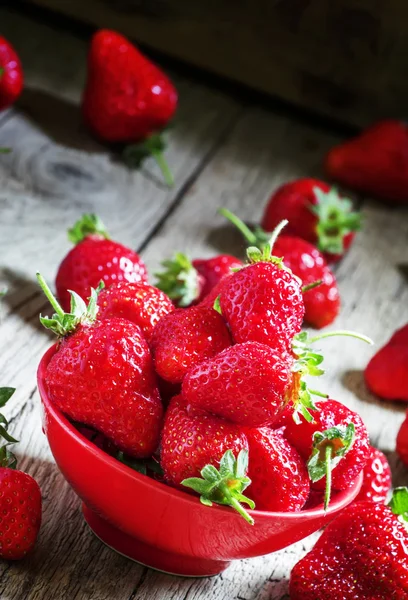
[[375, 162], [361, 555], [140, 303], [20, 498], [127, 98], [377, 478], [11, 74], [102, 375], [386, 374], [402, 441], [95, 257]]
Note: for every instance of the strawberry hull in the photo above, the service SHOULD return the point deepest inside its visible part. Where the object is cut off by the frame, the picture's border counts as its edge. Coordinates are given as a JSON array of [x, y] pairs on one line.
[[162, 527]]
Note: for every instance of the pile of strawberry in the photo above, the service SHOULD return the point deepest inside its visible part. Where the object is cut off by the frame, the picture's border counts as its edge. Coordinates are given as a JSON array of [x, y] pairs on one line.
[[215, 393]]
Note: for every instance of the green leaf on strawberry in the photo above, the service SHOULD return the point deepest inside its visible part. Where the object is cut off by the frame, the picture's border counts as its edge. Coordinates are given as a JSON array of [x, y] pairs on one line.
[[399, 503], [226, 484], [135, 154], [88, 224], [179, 280]]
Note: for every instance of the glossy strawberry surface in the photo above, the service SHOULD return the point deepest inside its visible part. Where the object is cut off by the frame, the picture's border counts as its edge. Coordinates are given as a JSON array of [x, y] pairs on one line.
[[140, 303], [213, 270], [102, 376], [11, 74], [402, 441], [377, 478]]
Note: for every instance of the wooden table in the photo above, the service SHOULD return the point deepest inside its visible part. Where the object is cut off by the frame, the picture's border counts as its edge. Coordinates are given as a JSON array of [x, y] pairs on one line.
[[224, 151]]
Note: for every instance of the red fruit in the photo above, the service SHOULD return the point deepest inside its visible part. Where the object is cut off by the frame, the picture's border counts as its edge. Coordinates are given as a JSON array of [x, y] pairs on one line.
[[377, 478], [336, 444], [11, 74], [102, 376], [361, 555], [185, 338], [322, 303], [140, 303], [386, 374], [247, 384], [280, 481], [192, 440], [189, 283], [316, 213], [375, 162], [126, 97], [402, 441], [210, 299], [95, 257]]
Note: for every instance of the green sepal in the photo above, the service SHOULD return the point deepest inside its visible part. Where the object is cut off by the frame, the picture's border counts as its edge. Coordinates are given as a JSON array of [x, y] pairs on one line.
[[217, 305], [179, 280], [155, 145], [62, 323], [336, 218], [329, 447], [399, 503], [226, 484], [7, 458], [88, 224], [142, 465]]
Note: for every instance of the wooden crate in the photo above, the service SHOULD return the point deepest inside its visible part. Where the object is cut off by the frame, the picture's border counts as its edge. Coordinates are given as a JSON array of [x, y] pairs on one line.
[[343, 59]]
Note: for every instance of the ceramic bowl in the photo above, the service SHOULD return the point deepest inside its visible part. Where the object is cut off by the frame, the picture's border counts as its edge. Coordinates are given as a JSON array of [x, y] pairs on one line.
[[162, 527]]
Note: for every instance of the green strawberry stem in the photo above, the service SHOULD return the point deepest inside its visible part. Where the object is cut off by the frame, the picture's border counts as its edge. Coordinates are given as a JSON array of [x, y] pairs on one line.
[[311, 286], [50, 296], [327, 491], [7, 458], [341, 332], [179, 280], [240, 225], [164, 167], [135, 154], [88, 224]]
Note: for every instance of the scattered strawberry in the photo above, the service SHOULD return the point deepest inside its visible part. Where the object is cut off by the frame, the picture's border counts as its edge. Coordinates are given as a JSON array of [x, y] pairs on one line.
[[140, 303], [377, 478], [335, 444], [280, 481], [11, 74], [316, 213], [95, 257], [375, 162], [263, 301], [402, 441], [386, 374], [185, 338], [189, 282], [20, 499], [127, 98], [195, 443], [102, 375], [361, 555]]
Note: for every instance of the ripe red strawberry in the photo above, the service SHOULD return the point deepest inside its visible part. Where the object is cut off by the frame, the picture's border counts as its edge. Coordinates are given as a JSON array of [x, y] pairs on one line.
[[361, 555], [335, 444], [140, 303], [377, 478], [95, 257], [102, 376], [316, 213], [263, 301], [280, 481], [402, 441], [185, 338], [189, 282], [20, 499], [194, 442], [11, 74], [126, 97], [386, 374], [375, 162]]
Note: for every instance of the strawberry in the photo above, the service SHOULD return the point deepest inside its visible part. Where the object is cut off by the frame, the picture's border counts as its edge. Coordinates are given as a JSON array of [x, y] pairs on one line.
[[375, 162], [195, 443], [95, 257], [402, 441], [189, 282], [322, 302], [377, 478], [335, 444], [386, 374], [11, 74], [20, 499], [185, 338], [280, 481], [263, 301], [361, 555], [316, 213], [127, 98], [102, 375], [140, 303]]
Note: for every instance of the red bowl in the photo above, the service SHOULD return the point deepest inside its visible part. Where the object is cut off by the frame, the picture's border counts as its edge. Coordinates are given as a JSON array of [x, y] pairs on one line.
[[162, 527]]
